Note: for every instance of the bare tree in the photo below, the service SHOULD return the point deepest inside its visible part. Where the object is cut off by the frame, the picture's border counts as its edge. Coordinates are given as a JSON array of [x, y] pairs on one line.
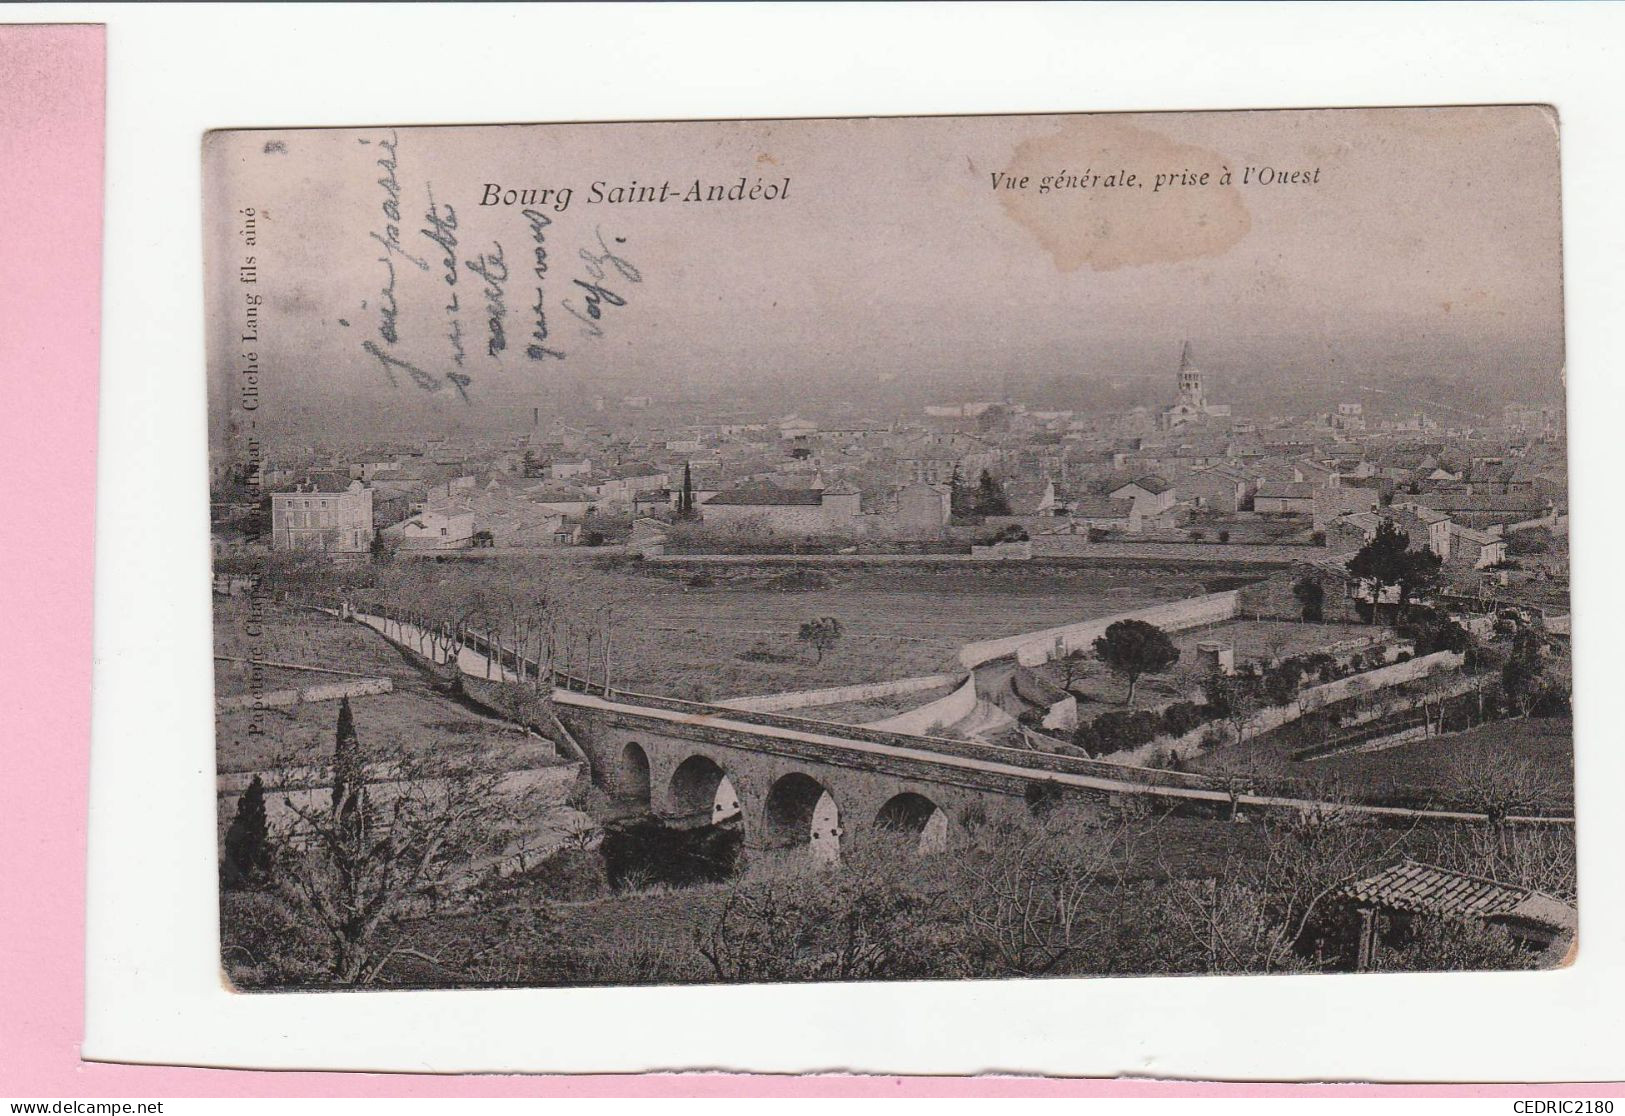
[[1033, 890], [1236, 700], [1256, 912], [354, 869], [864, 920], [1498, 787]]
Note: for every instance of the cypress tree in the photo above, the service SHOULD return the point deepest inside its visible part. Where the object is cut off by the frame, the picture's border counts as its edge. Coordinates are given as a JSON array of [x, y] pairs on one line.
[[349, 780], [247, 861], [685, 500]]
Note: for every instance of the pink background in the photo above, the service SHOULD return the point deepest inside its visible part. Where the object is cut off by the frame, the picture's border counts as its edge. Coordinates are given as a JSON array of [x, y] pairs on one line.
[[52, 100]]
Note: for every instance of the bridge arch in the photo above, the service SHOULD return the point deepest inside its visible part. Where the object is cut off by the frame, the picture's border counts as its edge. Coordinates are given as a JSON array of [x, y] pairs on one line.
[[801, 812], [913, 819], [632, 779], [700, 788]]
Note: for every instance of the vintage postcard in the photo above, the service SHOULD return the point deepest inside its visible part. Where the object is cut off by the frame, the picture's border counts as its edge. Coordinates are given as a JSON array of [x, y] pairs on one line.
[[897, 548]]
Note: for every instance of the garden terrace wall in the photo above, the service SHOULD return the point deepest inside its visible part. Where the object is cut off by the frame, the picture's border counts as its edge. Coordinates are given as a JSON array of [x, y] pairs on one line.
[[839, 695], [1270, 554], [933, 714], [1273, 596], [331, 691], [1308, 701], [1034, 648], [1060, 707]]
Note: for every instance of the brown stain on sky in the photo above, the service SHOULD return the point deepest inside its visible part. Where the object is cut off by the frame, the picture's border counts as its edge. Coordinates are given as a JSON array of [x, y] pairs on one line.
[[1110, 228]]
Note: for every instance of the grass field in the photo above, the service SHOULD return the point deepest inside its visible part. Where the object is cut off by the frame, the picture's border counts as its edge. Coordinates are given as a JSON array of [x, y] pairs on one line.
[[299, 636], [1546, 743], [710, 632], [1420, 769], [414, 716]]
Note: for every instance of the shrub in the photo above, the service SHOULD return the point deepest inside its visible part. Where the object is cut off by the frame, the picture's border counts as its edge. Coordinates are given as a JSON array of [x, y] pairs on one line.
[[1537, 541], [1281, 682], [1182, 717], [246, 865], [1042, 797], [264, 943], [1123, 729], [1312, 596], [1554, 701]]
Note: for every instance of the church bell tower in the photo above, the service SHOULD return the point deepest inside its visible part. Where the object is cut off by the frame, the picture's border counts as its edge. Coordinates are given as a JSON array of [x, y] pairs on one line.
[[1190, 380]]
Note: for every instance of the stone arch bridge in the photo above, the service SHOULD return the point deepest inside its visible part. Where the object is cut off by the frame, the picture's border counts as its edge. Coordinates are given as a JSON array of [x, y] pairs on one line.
[[793, 782]]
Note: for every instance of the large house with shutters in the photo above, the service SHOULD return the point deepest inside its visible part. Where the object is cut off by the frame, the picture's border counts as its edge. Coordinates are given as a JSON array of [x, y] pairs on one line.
[[330, 515]]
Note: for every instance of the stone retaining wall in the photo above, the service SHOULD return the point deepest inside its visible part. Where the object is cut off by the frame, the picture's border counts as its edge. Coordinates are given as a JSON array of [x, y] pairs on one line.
[[332, 691], [839, 695]]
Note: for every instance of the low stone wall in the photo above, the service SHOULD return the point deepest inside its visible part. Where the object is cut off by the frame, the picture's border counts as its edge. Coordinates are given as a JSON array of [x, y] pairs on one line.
[[1309, 700], [1079, 546], [1060, 707], [1033, 648], [332, 691], [1003, 552], [839, 695], [1396, 674], [935, 714], [804, 559]]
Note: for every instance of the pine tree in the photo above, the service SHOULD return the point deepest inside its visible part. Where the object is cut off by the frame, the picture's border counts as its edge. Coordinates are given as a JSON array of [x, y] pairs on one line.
[[247, 862]]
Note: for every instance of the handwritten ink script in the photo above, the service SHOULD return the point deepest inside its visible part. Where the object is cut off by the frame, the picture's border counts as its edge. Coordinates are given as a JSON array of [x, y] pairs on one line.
[[506, 293]]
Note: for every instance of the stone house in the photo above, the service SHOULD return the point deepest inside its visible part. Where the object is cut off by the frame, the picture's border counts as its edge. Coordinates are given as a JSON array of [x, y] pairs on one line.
[[326, 515]]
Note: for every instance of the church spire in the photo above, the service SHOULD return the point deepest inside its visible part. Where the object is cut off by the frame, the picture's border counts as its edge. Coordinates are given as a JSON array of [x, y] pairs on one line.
[[1185, 364]]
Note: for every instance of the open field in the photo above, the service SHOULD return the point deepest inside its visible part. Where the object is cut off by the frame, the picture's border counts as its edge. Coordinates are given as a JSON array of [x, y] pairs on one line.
[[299, 636], [875, 709], [1546, 743], [729, 631], [1436, 768], [414, 716]]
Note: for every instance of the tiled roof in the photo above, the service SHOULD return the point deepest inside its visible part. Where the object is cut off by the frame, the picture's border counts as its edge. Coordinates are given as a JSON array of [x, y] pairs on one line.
[[1482, 538], [1286, 490], [1424, 888], [1150, 483], [767, 497], [1456, 501], [1102, 507], [323, 482]]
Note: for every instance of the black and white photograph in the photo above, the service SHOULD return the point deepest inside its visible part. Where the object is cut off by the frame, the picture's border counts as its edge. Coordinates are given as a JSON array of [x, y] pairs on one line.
[[950, 548]]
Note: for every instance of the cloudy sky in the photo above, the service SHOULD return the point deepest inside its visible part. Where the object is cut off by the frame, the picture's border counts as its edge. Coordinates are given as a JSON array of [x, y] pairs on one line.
[[1427, 240]]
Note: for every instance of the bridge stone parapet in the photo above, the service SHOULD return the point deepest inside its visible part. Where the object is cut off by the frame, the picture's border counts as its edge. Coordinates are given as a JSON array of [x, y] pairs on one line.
[[811, 785]]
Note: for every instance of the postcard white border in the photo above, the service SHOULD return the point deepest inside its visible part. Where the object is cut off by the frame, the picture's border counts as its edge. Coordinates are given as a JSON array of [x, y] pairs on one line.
[[174, 72]]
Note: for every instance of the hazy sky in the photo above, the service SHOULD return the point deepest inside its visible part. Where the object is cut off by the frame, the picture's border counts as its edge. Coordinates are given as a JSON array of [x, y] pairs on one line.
[[1430, 242]]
